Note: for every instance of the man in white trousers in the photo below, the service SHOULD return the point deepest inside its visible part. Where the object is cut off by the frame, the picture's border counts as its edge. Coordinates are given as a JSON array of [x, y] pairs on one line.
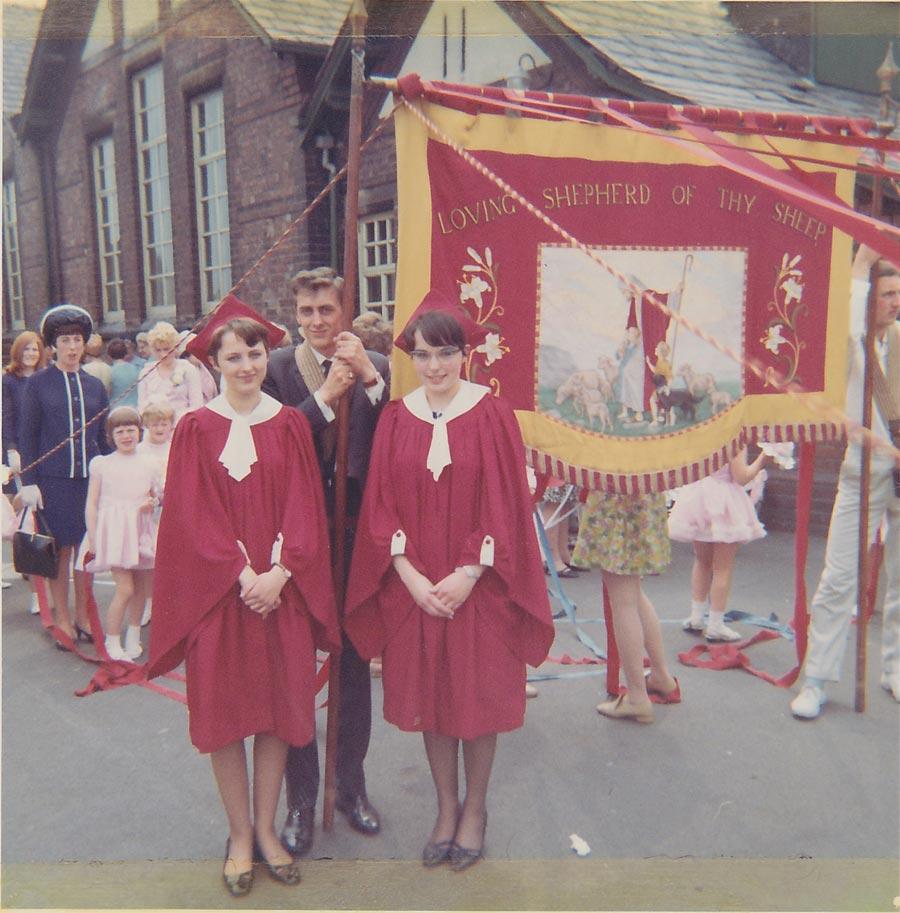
[[835, 598]]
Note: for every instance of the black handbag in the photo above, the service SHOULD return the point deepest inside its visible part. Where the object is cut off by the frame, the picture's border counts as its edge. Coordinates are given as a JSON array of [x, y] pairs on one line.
[[35, 553]]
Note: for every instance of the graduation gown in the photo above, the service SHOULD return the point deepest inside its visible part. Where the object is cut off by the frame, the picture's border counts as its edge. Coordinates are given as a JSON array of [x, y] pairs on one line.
[[245, 674], [463, 677]]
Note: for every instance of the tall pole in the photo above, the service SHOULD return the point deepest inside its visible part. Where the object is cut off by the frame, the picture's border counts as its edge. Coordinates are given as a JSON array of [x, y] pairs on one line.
[[358, 19], [886, 74]]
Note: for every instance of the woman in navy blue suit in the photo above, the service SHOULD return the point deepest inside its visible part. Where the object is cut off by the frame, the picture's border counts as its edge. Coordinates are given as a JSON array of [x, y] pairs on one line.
[[59, 404]]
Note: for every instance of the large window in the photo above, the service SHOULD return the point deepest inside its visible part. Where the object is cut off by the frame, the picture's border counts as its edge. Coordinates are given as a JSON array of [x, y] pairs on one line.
[[107, 208], [378, 263], [11, 263], [153, 182], [211, 195]]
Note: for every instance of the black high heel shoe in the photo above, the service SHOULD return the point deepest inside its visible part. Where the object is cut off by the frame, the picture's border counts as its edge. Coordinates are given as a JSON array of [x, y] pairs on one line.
[[81, 634], [237, 883], [462, 858], [286, 872]]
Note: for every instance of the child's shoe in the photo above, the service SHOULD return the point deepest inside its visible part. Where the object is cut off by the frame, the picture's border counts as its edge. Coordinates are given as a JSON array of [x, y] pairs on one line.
[[133, 648], [721, 634], [114, 649]]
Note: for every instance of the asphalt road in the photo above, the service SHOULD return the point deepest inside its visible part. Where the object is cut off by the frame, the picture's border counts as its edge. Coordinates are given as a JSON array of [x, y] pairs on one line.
[[725, 780]]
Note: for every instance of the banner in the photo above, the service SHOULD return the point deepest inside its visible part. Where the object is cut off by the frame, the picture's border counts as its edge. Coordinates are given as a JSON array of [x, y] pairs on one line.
[[611, 391]]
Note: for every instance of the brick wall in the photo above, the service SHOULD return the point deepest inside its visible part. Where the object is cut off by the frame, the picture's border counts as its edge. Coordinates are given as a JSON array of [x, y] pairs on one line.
[[270, 175]]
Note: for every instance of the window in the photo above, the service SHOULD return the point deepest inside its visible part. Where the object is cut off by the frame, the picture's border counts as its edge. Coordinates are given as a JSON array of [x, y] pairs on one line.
[[211, 196], [378, 263], [153, 184], [11, 262], [107, 208]]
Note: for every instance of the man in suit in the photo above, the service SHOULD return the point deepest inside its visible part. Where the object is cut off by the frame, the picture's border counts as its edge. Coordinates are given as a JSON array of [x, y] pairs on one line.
[[313, 377]]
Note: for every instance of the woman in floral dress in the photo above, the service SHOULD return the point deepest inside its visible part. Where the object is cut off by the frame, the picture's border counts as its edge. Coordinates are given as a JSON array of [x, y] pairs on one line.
[[627, 537]]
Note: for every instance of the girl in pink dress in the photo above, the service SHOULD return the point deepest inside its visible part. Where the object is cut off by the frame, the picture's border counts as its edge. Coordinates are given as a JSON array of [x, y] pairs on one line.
[[122, 493], [717, 516]]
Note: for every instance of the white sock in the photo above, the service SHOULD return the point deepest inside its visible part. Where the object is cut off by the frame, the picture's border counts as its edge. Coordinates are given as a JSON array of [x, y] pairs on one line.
[[716, 619], [698, 610], [133, 639], [113, 643]]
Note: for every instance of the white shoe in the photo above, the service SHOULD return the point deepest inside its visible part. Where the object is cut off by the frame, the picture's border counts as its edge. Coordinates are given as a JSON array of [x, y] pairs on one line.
[[34, 607], [722, 634], [148, 611], [691, 626], [115, 651], [807, 705], [4, 585], [134, 652], [892, 686]]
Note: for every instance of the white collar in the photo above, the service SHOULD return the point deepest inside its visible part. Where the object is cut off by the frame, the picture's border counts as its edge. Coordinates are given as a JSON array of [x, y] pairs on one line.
[[467, 396], [239, 453]]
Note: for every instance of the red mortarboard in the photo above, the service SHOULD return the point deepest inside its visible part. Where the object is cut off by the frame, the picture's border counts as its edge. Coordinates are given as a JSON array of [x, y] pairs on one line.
[[437, 300], [229, 309]]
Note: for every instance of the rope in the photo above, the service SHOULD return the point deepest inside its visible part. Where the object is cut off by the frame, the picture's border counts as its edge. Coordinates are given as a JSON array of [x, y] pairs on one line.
[[339, 175]]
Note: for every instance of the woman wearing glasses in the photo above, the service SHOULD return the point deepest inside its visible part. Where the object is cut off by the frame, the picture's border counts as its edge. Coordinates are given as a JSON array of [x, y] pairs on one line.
[[444, 583]]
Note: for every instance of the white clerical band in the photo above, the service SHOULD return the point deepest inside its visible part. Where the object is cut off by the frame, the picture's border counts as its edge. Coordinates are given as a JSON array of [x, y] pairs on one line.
[[239, 453], [417, 403]]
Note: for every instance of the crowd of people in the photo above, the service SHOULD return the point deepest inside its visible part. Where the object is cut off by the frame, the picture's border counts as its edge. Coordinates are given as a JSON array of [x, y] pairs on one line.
[[234, 432]]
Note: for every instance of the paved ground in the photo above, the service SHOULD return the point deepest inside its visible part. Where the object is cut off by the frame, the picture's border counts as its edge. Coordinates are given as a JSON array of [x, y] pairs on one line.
[[726, 802]]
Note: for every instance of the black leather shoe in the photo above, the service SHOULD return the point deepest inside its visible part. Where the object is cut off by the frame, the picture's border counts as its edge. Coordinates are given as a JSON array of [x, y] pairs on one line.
[[297, 833], [360, 813]]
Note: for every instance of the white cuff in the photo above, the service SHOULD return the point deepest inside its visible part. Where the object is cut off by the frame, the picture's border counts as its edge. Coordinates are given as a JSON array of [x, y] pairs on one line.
[[324, 408], [487, 552], [276, 549], [374, 392], [398, 543]]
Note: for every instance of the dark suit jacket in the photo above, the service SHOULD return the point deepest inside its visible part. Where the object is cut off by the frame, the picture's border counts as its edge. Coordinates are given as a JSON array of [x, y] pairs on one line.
[[284, 382]]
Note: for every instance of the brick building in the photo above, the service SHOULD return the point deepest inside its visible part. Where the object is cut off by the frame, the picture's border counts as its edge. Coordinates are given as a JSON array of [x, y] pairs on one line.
[[158, 158]]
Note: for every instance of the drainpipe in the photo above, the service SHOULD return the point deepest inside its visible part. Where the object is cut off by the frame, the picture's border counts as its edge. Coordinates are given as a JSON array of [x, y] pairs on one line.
[[325, 142], [46, 159]]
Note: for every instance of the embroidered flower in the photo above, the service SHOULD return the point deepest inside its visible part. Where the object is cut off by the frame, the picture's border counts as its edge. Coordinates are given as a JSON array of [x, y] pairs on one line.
[[793, 290], [472, 290], [178, 373], [773, 339], [790, 268], [491, 348]]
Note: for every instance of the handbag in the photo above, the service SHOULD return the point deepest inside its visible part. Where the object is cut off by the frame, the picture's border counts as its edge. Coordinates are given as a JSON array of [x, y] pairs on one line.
[[35, 552]]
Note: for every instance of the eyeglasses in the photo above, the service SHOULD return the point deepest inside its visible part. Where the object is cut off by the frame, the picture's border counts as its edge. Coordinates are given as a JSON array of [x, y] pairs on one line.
[[444, 355]]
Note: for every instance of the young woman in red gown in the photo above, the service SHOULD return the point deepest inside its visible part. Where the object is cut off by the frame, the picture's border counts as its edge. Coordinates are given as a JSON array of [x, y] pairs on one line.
[[446, 582], [242, 591]]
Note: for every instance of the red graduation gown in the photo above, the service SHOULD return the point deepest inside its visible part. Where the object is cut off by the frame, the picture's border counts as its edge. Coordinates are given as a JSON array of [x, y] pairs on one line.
[[463, 677], [245, 674]]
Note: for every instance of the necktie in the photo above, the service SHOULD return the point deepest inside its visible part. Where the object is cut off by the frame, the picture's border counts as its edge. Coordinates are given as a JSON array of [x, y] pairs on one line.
[[326, 366]]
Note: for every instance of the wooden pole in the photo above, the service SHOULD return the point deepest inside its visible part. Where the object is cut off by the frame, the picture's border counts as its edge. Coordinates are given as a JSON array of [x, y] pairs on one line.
[[358, 19], [886, 74]]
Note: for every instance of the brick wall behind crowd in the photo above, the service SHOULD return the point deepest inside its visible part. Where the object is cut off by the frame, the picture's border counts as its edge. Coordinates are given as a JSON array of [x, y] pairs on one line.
[[269, 174]]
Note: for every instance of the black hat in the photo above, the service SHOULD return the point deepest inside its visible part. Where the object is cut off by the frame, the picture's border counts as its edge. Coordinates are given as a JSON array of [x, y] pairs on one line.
[[65, 315]]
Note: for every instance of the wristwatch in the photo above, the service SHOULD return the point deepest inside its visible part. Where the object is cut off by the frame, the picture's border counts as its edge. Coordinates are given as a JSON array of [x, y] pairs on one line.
[[283, 569]]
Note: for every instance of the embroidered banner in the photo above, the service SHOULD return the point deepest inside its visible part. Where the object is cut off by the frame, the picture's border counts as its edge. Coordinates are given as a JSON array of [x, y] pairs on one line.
[[609, 390]]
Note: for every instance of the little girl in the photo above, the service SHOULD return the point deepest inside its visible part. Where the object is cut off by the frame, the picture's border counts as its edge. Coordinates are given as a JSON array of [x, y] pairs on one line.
[[122, 493], [717, 515]]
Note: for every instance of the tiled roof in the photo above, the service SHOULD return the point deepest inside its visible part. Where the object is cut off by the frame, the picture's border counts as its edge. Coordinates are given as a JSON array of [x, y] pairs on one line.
[[694, 52], [20, 26], [315, 22]]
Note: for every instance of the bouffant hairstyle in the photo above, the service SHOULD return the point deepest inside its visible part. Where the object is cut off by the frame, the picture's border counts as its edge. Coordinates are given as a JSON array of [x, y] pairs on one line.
[[251, 331], [17, 352], [163, 333], [120, 416], [376, 334]]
